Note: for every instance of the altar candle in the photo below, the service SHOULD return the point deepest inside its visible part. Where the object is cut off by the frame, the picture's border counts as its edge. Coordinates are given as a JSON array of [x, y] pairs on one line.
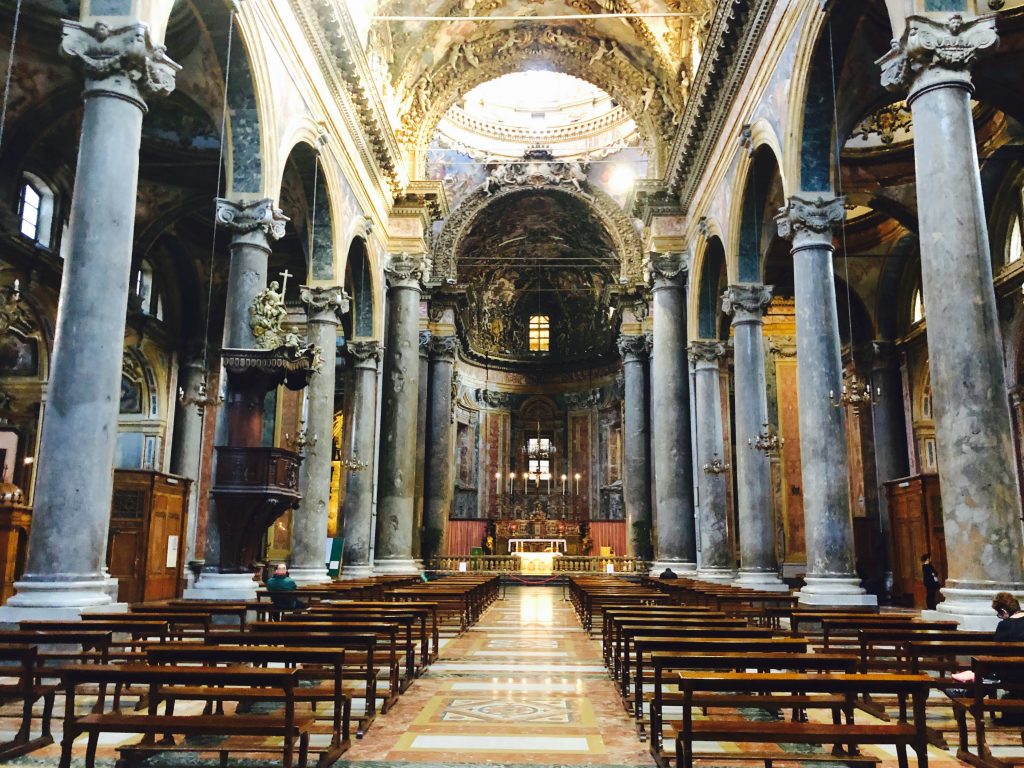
[[511, 477], [563, 484], [577, 483]]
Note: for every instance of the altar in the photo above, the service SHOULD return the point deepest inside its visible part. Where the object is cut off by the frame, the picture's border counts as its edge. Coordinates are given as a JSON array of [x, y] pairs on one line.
[[536, 546]]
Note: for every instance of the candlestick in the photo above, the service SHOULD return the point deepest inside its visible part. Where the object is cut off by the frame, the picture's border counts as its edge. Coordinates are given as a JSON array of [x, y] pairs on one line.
[[577, 476], [564, 478]]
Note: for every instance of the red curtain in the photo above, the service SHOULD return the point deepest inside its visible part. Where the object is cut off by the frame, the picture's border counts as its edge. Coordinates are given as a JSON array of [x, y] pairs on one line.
[[463, 535], [608, 534]]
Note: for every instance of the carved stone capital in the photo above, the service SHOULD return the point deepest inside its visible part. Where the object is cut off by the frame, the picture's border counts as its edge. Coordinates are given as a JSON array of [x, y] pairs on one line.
[[444, 348], [809, 221], [668, 269], [649, 343], [707, 352], [364, 354], [404, 270], [252, 217], [324, 304], [632, 348], [121, 62], [501, 401], [746, 303], [937, 51], [582, 401], [426, 337], [782, 346]]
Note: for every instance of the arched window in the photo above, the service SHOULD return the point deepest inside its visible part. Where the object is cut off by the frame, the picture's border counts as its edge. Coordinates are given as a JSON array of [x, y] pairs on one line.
[[1014, 242], [145, 291], [540, 333], [35, 210], [917, 307]]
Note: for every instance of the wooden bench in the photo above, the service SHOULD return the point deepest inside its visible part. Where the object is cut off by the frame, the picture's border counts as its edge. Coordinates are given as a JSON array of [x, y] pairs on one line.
[[843, 632], [991, 674], [246, 733], [664, 664], [700, 688], [430, 635], [317, 661], [21, 662], [625, 628]]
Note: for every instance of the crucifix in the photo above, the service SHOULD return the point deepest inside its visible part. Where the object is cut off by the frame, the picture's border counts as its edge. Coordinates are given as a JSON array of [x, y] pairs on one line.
[[284, 277]]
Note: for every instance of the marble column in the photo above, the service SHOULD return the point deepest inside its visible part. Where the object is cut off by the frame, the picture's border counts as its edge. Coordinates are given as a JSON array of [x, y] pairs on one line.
[[890, 443], [358, 514], [396, 483], [186, 452], [758, 567], [636, 486], [808, 219], [716, 562], [440, 461], [677, 544], [74, 479], [422, 408], [324, 308], [651, 444], [980, 500]]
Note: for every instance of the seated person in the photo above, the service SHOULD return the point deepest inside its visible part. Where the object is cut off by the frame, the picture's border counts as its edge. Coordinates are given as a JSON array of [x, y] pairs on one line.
[[283, 583], [1009, 628], [668, 573]]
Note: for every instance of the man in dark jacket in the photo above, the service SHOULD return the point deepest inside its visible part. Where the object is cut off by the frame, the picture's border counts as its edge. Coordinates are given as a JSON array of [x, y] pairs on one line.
[[283, 583], [931, 582]]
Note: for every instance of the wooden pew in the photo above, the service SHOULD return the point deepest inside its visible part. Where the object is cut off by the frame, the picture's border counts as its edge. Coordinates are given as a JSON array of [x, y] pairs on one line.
[[326, 660], [624, 627], [425, 610], [842, 633], [246, 733], [21, 662], [991, 673], [700, 688]]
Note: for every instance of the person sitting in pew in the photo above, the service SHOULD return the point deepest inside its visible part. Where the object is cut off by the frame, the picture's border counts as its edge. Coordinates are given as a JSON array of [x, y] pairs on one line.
[[285, 584], [1009, 629]]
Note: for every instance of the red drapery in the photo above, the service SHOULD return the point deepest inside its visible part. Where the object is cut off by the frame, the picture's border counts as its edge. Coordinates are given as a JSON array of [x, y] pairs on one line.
[[463, 535], [608, 534]]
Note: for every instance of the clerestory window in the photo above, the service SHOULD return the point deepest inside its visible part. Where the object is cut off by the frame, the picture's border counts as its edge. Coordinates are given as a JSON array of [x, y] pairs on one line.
[[540, 333]]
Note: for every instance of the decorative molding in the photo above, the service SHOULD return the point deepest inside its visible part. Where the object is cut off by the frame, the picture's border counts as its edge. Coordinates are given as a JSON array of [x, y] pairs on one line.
[[782, 346], [122, 59], [243, 217], [501, 401], [539, 171], [885, 123]]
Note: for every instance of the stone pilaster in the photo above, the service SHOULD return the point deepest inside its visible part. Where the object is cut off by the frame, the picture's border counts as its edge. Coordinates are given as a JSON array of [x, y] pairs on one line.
[[636, 485], [747, 305], [716, 556], [677, 543], [324, 308], [254, 225], [981, 506], [358, 514], [440, 461], [808, 220], [396, 484], [74, 483]]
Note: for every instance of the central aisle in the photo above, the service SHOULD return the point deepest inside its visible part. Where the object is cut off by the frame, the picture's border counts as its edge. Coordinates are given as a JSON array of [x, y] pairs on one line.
[[525, 685]]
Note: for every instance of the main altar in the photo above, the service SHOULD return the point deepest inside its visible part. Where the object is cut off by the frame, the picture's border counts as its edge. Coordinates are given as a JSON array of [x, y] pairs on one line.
[[532, 523]]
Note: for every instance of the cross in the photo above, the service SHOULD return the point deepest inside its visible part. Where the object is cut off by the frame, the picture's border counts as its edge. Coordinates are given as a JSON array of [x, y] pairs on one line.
[[284, 276]]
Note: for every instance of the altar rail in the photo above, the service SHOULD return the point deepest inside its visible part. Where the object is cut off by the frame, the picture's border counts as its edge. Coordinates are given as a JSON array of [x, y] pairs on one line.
[[562, 564]]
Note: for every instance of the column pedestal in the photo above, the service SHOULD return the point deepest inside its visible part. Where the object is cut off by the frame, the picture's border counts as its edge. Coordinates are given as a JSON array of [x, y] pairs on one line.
[[223, 586]]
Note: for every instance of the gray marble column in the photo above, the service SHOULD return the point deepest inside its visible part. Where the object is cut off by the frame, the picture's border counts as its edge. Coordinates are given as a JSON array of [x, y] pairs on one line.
[[758, 567], [186, 452], [358, 510], [890, 443], [808, 219], [440, 460], [651, 444], [677, 544], [636, 485], [254, 226], [396, 483], [422, 408], [324, 308], [74, 478], [980, 500], [716, 561]]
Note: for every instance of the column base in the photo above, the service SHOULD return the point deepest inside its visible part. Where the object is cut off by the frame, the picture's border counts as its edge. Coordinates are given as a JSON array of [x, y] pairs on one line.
[[405, 567], [835, 591], [971, 607], [309, 576], [764, 581], [349, 572], [223, 586], [678, 567], [60, 600], [716, 575]]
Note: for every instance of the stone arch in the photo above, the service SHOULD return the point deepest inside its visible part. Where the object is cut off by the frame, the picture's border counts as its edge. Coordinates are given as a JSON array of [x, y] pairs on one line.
[[707, 278], [564, 49], [619, 227], [751, 210], [359, 283]]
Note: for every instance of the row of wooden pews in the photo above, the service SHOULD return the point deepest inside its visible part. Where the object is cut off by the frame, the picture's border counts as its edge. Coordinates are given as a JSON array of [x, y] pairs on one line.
[[689, 667], [221, 677]]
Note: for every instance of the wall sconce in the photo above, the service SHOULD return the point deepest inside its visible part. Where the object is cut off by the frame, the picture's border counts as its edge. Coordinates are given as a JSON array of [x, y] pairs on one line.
[[716, 466]]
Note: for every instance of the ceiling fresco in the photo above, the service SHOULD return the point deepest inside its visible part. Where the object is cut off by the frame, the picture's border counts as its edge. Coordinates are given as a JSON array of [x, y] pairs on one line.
[[537, 253]]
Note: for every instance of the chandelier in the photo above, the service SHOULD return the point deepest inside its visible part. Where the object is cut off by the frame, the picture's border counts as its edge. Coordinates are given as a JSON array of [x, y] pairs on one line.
[[855, 394], [767, 441], [716, 466]]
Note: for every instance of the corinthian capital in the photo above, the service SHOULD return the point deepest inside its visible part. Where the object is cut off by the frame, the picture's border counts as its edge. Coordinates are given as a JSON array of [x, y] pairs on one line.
[[937, 50], [324, 304], [364, 354], [632, 348], [808, 220], [444, 347], [746, 302], [668, 268], [709, 352], [123, 60], [244, 218], [404, 270]]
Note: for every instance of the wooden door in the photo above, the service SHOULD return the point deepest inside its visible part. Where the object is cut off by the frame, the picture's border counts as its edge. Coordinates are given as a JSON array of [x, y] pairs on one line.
[[916, 518], [124, 560]]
